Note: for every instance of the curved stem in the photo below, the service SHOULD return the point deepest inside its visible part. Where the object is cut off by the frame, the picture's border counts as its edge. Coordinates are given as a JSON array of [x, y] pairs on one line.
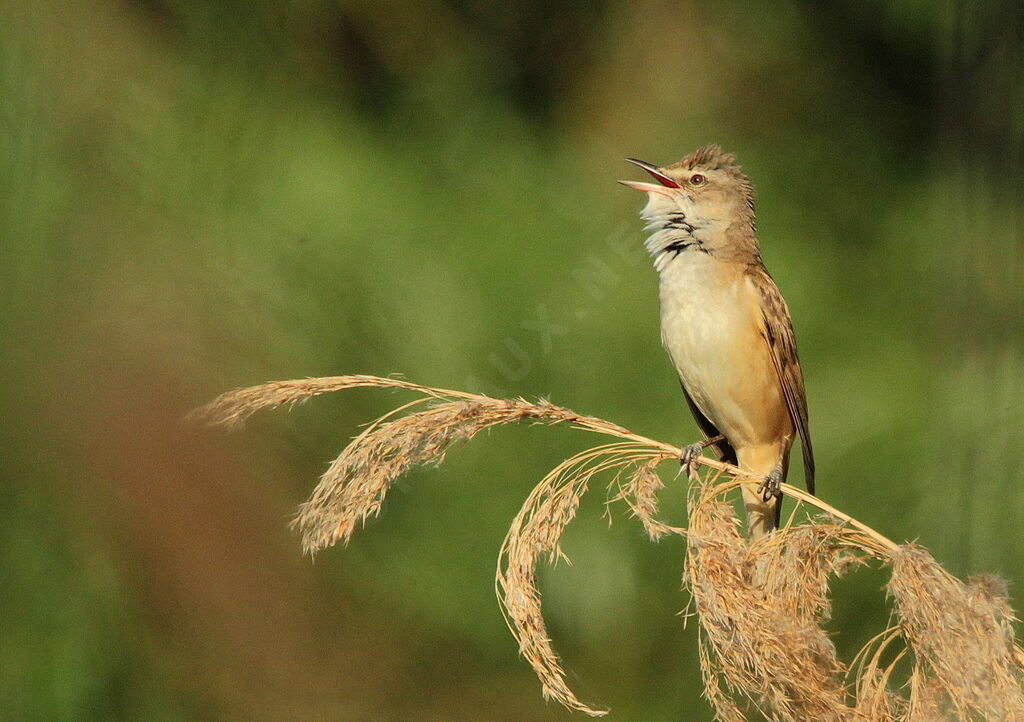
[[601, 426]]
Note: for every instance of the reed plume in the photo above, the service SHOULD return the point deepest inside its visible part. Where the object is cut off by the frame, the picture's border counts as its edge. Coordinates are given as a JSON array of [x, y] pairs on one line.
[[761, 606]]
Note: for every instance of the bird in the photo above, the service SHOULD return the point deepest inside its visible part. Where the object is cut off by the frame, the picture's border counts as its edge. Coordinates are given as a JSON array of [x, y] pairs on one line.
[[726, 326]]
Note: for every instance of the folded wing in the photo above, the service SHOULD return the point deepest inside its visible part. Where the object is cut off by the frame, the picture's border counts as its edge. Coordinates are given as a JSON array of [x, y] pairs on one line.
[[778, 332]]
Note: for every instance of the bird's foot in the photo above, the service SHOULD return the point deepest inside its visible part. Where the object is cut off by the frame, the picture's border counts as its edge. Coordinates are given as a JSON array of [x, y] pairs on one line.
[[688, 457], [771, 487]]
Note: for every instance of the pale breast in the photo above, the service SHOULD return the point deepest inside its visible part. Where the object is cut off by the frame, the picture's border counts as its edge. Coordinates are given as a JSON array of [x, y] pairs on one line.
[[710, 325]]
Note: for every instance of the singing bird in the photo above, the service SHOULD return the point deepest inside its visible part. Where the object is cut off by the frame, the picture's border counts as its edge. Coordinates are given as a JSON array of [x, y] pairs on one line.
[[725, 325]]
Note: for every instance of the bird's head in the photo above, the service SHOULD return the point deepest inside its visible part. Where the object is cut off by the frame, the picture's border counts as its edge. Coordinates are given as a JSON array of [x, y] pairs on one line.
[[705, 195]]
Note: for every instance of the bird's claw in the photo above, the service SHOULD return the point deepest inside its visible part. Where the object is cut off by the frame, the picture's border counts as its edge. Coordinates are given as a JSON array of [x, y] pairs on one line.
[[771, 487], [689, 456]]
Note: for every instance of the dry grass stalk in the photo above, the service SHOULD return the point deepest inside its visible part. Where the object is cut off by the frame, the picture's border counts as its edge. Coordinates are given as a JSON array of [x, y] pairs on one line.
[[967, 660], [535, 533], [640, 493], [760, 606], [355, 484], [232, 408], [874, 698]]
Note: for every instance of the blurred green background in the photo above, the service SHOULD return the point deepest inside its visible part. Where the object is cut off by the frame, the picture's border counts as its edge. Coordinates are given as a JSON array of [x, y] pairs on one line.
[[196, 196]]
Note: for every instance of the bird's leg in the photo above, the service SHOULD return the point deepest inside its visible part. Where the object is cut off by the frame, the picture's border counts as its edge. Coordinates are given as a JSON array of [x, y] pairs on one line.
[[689, 455], [771, 486]]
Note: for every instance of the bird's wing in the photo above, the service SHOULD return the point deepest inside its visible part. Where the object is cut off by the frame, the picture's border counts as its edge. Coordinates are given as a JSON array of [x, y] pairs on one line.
[[777, 330], [723, 448]]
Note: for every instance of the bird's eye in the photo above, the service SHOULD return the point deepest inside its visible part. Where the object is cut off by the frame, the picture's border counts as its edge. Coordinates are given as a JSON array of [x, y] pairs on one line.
[[696, 179]]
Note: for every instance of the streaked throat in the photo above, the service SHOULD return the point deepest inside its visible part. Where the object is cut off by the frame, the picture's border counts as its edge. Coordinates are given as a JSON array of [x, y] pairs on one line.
[[672, 234]]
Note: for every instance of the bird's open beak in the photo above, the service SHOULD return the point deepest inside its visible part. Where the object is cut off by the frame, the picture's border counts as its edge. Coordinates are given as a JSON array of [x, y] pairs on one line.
[[665, 181]]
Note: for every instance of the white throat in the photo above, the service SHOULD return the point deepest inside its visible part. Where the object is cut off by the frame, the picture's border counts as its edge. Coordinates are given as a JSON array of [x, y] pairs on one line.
[[673, 231]]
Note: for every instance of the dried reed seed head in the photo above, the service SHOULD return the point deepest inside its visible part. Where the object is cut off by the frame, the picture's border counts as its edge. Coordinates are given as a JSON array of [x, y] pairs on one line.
[[536, 532], [760, 608], [721, 701], [232, 408], [962, 636], [356, 483], [640, 493], [799, 561]]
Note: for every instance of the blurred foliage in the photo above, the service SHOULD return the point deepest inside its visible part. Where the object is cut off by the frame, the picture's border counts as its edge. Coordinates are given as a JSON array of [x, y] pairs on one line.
[[201, 195]]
